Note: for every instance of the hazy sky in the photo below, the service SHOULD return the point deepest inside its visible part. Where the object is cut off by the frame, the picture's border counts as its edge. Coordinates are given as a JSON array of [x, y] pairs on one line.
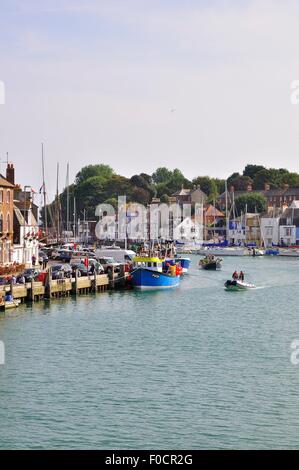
[[199, 85]]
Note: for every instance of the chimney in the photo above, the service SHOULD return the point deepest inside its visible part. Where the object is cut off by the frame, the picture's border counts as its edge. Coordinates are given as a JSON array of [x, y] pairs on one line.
[[249, 187], [267, 187], [10, 173], [232, 189], [286, 187]]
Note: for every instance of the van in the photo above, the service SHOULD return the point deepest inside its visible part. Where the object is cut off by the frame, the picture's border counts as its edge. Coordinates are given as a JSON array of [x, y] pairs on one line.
[[119, 255]]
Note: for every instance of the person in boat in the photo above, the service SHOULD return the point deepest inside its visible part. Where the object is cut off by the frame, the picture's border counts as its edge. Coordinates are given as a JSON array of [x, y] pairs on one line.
[[235, 275], [8, 296], [241, 276]]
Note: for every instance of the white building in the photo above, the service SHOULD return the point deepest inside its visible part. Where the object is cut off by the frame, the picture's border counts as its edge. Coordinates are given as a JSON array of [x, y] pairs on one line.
[[270, 232], [287, 234], [26, 230]]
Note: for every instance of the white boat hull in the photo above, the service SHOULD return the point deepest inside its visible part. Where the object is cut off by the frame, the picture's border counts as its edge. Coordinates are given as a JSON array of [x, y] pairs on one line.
[[290, 253], [222, 251]]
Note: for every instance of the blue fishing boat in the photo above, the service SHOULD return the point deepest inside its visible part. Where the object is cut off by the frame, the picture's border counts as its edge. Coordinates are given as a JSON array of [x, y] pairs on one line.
[[148, 274]]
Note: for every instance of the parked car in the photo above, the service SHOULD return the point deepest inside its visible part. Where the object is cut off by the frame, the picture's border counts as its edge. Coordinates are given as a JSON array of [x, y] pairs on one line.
[[109, 263], [80, 254], [61, 271], [30, 274], [64, 256], [42, 255], [82, 269]]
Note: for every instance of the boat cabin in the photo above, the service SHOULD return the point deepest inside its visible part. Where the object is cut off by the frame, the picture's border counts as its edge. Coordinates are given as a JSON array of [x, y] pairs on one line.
[[155, 264]]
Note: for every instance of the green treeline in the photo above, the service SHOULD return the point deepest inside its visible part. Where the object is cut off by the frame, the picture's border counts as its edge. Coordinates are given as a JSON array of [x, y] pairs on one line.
[[95, 184]]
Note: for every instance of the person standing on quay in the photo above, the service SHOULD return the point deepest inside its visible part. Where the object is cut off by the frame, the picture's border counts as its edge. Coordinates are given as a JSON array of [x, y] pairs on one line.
[[33, 260]]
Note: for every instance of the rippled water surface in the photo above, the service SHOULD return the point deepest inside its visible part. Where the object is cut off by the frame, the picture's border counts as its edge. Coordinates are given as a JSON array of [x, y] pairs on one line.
[[196, 368]]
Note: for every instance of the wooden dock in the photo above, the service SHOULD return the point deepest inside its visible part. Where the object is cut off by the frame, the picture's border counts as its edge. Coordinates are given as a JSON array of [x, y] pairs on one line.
[[35, 291]]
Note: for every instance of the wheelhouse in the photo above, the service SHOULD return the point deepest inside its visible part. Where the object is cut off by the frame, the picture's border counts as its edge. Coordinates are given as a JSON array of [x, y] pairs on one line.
[[154, 264]]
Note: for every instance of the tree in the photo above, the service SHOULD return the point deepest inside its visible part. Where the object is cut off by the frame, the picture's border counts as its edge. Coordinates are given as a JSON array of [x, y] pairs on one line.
[[252, 170], [103, 172], [161, 175], [239, 182], [254, 202], [141, 195]]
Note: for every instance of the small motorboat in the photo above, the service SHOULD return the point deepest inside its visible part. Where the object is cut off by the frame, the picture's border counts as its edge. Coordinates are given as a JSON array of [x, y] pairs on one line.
[[7, 304], [210, 263], [238, 285]]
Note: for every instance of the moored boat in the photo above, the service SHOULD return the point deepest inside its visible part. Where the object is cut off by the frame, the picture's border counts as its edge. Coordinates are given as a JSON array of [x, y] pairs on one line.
[[8, 304], [223, 251], [210, 263], [148, 274]]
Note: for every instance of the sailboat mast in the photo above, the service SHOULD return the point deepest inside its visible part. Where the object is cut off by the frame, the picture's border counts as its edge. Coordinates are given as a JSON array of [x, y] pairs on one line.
[[67, 199], [57, 204], [226, 210], [75, 215], [44, 193]]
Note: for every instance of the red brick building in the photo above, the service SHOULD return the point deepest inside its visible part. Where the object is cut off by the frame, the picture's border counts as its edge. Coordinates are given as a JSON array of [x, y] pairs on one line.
[[6, 215]]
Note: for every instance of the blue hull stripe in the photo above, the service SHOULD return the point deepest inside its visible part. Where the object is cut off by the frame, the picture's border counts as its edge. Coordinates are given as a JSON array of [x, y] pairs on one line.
[[146, 278]]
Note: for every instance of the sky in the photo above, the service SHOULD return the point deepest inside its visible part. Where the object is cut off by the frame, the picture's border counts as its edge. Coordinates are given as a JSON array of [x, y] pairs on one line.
[[203, 86]]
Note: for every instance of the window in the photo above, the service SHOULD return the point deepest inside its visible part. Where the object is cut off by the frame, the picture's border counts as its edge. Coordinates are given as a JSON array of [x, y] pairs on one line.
[[8, 223], [8, 196], [1, 195], [1, 223]]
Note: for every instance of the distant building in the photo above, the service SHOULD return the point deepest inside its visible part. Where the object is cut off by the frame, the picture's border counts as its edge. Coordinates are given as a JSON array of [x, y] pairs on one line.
[[289, 225], [270, 227], [275, 197], [190, 196]]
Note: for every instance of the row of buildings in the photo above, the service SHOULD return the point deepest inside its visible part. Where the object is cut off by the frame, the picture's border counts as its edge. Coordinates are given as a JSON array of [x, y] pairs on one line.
[[278, 225], [19, 231]]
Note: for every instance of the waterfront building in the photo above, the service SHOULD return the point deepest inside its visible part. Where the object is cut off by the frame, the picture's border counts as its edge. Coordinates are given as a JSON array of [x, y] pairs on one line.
[[26, 230], [6, 215], [270, 227], [289, 225]]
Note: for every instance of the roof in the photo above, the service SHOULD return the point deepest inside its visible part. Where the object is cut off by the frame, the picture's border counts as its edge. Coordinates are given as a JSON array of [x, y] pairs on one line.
[[4, 183], [20, 217], [290, 213], [187, 192], [182, 192], [269, 193], [213, 211], [147, 259]]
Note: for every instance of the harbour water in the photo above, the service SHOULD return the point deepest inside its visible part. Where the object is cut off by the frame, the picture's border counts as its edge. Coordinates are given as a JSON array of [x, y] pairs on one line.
[[194, 368]]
